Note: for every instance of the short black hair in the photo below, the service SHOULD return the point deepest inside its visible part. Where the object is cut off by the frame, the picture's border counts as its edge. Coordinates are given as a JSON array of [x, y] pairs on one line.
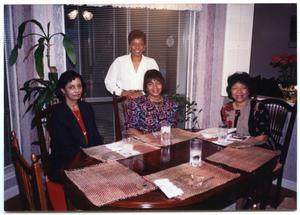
[[153, 74], [136, 34], [241, 77], [67, 77]]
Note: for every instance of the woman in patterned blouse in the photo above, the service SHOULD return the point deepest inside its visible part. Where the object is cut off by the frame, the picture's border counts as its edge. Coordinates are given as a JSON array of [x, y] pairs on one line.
[[248, 116], [145, 114]]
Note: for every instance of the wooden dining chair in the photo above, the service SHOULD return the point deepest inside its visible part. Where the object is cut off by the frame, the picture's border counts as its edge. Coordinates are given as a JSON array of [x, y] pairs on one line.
[[29, 178], [282, 115], [43, 142], [55, 191], [119, 107]]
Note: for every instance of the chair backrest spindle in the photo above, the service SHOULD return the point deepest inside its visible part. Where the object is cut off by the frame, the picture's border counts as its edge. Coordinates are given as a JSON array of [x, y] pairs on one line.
[[119, 119], [29, 178], [282, 115]]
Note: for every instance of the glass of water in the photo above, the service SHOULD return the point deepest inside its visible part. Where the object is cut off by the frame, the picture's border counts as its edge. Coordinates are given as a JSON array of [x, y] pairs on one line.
[[222, 132], [195, 152], [165, 134], [127, 141]]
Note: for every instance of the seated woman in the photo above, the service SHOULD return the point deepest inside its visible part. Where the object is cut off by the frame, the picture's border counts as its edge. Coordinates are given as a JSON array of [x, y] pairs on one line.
[[247, 115], [145, 114], [72, 124]]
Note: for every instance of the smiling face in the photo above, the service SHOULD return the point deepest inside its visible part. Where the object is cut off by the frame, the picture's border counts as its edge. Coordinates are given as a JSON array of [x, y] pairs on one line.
[[154, 88], [137, 47], [73, 90], [239, 92]]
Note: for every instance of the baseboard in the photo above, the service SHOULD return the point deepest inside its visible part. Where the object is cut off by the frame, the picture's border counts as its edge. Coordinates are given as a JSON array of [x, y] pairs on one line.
[[11, 192], [288, 184]]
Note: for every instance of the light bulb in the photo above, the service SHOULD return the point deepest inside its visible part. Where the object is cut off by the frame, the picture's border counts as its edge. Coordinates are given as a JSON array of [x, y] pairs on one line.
[[87, 15], [73, 14]]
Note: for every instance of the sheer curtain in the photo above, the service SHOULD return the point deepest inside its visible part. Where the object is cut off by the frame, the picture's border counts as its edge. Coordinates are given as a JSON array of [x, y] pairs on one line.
[[23, 71], [207, 75]]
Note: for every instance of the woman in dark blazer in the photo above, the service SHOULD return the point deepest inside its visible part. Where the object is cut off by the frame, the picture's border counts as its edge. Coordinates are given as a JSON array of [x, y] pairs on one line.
[[72, 124]]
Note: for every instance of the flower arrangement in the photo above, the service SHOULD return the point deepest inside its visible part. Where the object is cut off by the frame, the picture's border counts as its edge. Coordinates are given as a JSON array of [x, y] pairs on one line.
[[287, 80], [288, 69]]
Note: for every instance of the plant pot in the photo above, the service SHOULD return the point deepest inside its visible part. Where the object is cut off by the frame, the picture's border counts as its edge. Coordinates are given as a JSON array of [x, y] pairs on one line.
[[289, 93]]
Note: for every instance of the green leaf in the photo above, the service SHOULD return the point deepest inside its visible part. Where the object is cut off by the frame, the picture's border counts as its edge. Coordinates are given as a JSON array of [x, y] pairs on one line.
[[29, 51], [28, 108], [38, 24], [53, 76], [69, 47], [38, 56], [13, 55]]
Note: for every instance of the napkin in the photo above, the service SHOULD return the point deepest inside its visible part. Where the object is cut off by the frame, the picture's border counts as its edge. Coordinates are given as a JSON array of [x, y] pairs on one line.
[[123, 149], [168, 188], [209, 133]]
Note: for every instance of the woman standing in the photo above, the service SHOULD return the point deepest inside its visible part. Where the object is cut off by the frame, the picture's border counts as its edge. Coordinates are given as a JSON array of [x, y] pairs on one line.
[[126, 74]]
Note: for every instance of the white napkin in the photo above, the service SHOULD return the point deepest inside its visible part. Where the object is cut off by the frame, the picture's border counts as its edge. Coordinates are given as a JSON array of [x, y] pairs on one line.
[[123, 149], [225, 143], [116, 146], [168, 188], [209, 133]]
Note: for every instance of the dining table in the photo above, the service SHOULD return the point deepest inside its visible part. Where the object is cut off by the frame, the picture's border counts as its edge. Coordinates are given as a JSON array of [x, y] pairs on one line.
[[226, 178]]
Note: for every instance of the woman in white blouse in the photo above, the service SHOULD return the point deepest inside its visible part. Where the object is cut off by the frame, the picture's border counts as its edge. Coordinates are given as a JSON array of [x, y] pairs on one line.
[[126, 74]]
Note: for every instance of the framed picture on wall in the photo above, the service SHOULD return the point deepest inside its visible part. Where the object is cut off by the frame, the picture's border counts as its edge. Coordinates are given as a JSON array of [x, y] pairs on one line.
[[293, 32]]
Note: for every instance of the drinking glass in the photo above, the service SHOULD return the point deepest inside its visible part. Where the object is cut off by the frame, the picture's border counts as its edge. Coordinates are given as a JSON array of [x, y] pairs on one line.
[[165, 134], [195, 152], [165, 154], [126, 141], [222, 132]]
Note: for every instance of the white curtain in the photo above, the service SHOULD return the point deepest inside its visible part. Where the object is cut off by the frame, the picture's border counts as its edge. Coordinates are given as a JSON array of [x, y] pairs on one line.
[[23, 71], [207, 77], [194, 7]]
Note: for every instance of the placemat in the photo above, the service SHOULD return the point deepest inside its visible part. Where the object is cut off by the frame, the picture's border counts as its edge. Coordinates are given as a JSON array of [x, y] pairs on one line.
[[108, 182], [177, 135], [194, 180], [246, 159], [105, 154], [245, 143]]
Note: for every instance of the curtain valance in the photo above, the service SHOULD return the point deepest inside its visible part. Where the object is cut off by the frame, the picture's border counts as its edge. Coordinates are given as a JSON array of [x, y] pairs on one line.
[[194, 7]]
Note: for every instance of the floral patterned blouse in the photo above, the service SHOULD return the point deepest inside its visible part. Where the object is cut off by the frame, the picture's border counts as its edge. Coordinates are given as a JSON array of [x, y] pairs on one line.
[[146, 116], [259, 120]]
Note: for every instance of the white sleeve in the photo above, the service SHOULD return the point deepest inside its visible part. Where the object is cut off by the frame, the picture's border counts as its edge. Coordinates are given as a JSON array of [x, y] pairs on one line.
[[155, 66], [111, 79]]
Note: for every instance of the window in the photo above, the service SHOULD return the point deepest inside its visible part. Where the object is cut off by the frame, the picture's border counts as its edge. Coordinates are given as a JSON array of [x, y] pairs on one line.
[[100, 40]]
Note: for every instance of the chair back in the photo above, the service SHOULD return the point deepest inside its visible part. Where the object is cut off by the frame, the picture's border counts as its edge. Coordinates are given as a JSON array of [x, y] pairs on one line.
[[119, 108], [281, 114], [41, 120], [29, 178]]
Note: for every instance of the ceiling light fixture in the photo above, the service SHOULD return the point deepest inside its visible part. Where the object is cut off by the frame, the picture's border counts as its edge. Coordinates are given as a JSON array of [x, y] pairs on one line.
[[87, 15]]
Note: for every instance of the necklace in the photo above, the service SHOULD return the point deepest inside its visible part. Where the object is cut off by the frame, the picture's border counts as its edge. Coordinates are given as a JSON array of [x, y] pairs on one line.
[[76, 114], [78, 118], [156, 101]]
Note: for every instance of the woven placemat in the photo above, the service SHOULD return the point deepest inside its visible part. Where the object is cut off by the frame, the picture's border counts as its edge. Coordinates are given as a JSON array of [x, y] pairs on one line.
[[177, 135], [104, 154], [108, 182], [246, 159], [194, 180], [246, 143]]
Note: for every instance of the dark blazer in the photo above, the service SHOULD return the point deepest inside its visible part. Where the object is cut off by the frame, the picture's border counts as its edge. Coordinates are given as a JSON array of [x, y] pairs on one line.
[[67, 137]]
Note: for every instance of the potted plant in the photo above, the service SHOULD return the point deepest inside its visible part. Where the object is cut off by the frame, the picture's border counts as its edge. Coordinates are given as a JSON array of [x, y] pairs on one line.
[[287, 79], [40, 93], [187, 110]]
